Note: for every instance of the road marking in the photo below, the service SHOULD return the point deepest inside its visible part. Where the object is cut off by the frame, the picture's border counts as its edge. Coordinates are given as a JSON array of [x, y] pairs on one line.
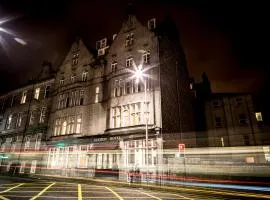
[[150, 195], [44, 190], [182, 196], [12, 188], [117, 195], [79, 192], [3, 198]]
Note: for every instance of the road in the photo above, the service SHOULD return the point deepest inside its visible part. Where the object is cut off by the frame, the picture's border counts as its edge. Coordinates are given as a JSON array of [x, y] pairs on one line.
[[24, 189]]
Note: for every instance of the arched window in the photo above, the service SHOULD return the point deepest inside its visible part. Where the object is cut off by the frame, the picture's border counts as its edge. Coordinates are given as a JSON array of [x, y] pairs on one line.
[[64, 128]]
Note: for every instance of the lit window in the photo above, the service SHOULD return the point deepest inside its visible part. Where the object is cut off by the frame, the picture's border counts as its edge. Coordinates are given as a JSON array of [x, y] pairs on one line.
[[38, 141], [22, 167], [97, 95], [42, 115], [84, 76], [33, 167], [101, 44], [83, 157], [126, 115], [24, 95], [133, 115], [258, 116], [75, 58], [72, 78], [57, 127], [138, 112], [146, 58], [116, 117], [222, 141], [121, 87], [78, 124], [9, 119], [37, 90], [64, 127], [114, 66], [129, 62], [62, 81], [27, 143], [129, 39], [152, 24], [19, 120]]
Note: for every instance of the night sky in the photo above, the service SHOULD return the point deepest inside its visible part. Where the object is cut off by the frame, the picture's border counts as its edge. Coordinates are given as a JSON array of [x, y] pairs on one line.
[[228, 41]]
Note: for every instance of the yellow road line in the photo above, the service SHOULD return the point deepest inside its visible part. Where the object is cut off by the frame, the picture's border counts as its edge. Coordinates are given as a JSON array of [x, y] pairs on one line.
[[117, 195], [11, 188], [79, 192], [3, 198], [44, 190], [151, 195]]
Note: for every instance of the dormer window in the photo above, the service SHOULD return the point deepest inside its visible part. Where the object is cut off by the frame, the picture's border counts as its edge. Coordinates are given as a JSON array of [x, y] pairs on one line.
[[152, 24], [114, 36], [101, 44], [36, 95], [146, 58], [129, 62], [24, 95], [75, 59], [129, 39], [114, 66], [84, 76]]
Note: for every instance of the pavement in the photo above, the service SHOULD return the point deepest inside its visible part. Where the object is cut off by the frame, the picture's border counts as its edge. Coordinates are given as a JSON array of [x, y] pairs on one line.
[[42, 187]]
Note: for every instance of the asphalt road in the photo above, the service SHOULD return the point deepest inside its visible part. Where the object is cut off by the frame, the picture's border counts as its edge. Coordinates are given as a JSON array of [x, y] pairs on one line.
[[24, 189]]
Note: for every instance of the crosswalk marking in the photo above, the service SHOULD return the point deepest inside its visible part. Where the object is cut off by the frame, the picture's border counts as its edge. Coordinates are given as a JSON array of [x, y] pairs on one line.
[[11, 188], [40, 193], [3, 198]]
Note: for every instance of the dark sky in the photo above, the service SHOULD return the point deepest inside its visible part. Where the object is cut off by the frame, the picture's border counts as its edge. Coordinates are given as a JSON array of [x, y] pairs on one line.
[[228, 41]]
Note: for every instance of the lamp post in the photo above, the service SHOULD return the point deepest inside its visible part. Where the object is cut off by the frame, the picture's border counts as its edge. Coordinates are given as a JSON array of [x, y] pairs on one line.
[[139, 74]]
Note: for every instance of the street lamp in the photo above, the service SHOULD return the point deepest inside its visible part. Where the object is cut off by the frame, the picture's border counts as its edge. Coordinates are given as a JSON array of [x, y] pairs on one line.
[[139, 76]]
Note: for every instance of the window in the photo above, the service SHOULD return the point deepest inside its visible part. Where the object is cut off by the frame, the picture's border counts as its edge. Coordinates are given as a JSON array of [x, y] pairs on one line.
[[83, 157], [126, 115], [18, 120], [129, 39], [115, 89], [243, 120], [146, 58], [71, 124], [61, 101], [81, 97], [33, 166], [27, 143], [114, 66], [121, 87], [9, 120], [216, 104], [84, 76], [78, 124], [101, 44], [42, 115], [218, 122], [24, 95], [222, 141], [116, 113], [62, 81], [258, 116], [32, 117], [152, 24], [13, 145], [46, 92], [129, 62], [57, 127], [11, 101], [75, 59], [97, 95], [36, 95], [72, 79], [38, 141], [64, 127], [128, 87], [22, 167]]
